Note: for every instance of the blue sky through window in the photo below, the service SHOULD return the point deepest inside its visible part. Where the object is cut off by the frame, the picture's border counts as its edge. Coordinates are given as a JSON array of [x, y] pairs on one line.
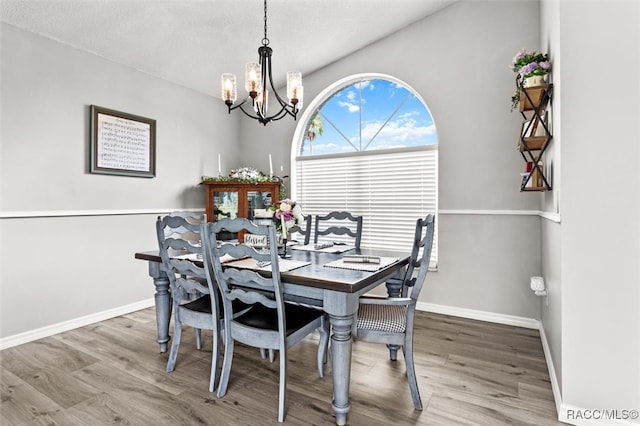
[[371, 115]]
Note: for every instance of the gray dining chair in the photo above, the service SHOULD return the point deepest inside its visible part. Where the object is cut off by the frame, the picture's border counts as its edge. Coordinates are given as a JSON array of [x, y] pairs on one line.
[[304, 230], [270, 323], [201, 310], [192, 218], [390, 320], [339, 223]]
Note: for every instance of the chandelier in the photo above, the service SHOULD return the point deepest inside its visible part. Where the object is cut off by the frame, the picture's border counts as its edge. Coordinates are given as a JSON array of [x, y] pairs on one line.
[[257, 76]]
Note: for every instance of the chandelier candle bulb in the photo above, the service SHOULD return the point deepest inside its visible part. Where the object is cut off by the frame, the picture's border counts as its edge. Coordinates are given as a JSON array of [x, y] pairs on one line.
[[229, 91], [253, 77], [294, 82]]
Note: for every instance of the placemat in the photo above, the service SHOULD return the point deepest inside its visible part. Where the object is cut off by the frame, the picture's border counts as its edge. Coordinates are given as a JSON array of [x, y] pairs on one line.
[[369, 267], [197, 256], [333, 249], [188, 256], [284, 264]]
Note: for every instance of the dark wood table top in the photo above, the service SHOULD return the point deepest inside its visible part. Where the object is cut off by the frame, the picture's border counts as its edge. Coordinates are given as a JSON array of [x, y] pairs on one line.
[[319, 276]]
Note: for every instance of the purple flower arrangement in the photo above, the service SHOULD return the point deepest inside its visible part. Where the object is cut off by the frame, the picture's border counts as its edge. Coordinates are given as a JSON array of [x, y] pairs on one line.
[[527, 65], [530, 64]]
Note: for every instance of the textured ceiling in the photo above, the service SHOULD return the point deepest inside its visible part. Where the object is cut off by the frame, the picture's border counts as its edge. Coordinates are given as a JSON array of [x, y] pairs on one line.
[[191, 42]]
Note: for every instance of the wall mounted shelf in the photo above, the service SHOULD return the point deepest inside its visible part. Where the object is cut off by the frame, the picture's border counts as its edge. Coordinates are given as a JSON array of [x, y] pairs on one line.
[[535, 135]]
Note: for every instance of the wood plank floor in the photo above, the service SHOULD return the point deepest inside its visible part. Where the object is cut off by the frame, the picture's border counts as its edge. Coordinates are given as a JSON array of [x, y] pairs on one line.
[[470, 373]]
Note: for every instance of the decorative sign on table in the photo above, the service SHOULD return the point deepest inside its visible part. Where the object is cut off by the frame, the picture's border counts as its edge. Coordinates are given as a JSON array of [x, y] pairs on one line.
[[122, 144]]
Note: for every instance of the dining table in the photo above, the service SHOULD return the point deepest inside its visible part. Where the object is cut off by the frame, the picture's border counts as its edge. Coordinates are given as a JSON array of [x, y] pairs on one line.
[[322, 276]]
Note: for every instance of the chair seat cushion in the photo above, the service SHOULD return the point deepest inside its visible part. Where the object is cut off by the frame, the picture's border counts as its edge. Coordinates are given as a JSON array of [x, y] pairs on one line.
[[201, 304], [386, 318], [297, 316]]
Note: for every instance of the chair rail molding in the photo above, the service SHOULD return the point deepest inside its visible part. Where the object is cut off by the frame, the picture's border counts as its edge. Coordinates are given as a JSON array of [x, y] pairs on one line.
[[551, 216], [72, 213]]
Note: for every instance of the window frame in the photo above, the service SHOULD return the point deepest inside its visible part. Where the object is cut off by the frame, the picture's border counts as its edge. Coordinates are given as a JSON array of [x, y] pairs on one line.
[[319, 100]]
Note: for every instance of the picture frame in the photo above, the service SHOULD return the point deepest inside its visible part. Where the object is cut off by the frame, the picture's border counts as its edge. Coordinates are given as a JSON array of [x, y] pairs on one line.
[[122, 144]]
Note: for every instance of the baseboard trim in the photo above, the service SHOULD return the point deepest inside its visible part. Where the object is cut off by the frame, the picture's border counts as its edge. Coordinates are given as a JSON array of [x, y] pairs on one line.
[[479, 315], [50, 330], [555, 385]]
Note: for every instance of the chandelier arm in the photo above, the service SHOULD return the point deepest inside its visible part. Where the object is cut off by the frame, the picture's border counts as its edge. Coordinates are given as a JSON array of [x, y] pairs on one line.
[[283, 112], [232, 106], [255, 117], [262, 119]]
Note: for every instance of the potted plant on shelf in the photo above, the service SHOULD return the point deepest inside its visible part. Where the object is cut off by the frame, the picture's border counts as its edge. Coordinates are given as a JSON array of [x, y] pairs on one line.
[[531, 69]]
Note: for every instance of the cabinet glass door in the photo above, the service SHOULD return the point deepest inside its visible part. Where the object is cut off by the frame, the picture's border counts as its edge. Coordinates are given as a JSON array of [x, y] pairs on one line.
[[225, 204], [257, 200]]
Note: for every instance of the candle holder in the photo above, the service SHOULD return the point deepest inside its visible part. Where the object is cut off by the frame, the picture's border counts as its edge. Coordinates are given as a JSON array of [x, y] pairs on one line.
[[284, 254]]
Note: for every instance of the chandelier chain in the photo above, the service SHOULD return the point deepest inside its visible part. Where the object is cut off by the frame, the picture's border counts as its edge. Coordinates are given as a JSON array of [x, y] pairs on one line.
[[265, 40]]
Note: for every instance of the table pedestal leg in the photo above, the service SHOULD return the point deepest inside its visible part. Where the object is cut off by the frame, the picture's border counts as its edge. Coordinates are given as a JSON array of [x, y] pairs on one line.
[[341, 365], [163, 303]]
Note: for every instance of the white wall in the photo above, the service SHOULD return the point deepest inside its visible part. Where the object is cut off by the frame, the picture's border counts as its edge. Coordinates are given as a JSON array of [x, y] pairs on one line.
[[57, 269], [551, 306], [590, 258], [600, 228], [458, 60]]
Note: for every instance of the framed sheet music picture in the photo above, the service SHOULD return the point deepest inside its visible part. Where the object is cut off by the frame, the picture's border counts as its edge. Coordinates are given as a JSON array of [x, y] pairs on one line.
[[122, 144]]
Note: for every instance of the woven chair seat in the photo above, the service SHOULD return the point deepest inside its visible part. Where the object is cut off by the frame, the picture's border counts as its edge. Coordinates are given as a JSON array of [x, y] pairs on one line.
[[385, 318]]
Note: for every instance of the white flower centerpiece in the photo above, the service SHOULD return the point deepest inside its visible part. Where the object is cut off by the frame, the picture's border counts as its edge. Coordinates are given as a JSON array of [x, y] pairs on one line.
[[286, 214]]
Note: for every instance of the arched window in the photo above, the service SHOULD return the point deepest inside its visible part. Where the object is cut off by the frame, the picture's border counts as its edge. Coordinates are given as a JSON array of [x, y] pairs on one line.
[[368, 144]]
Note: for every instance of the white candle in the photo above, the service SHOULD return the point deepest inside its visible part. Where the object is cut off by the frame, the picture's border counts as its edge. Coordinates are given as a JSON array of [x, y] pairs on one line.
[[284, 227], [270, 166], [219, 165]]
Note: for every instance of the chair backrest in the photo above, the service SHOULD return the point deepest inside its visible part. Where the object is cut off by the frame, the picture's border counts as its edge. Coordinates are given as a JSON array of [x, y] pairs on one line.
[[192, 218], [304, 230], [184, 275], [243, 284], [420, 256], [339, 223]]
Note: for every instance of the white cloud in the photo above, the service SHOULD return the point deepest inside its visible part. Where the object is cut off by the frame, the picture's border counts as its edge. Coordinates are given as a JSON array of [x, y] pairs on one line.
[[350, 106], [405, 131]]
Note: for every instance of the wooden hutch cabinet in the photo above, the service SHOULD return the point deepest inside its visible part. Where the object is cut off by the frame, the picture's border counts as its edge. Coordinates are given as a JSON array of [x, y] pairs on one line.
[[238, 199]]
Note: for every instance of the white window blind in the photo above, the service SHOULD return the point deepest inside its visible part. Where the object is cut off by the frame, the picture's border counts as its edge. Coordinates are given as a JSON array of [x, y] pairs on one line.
[[391, 189]]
